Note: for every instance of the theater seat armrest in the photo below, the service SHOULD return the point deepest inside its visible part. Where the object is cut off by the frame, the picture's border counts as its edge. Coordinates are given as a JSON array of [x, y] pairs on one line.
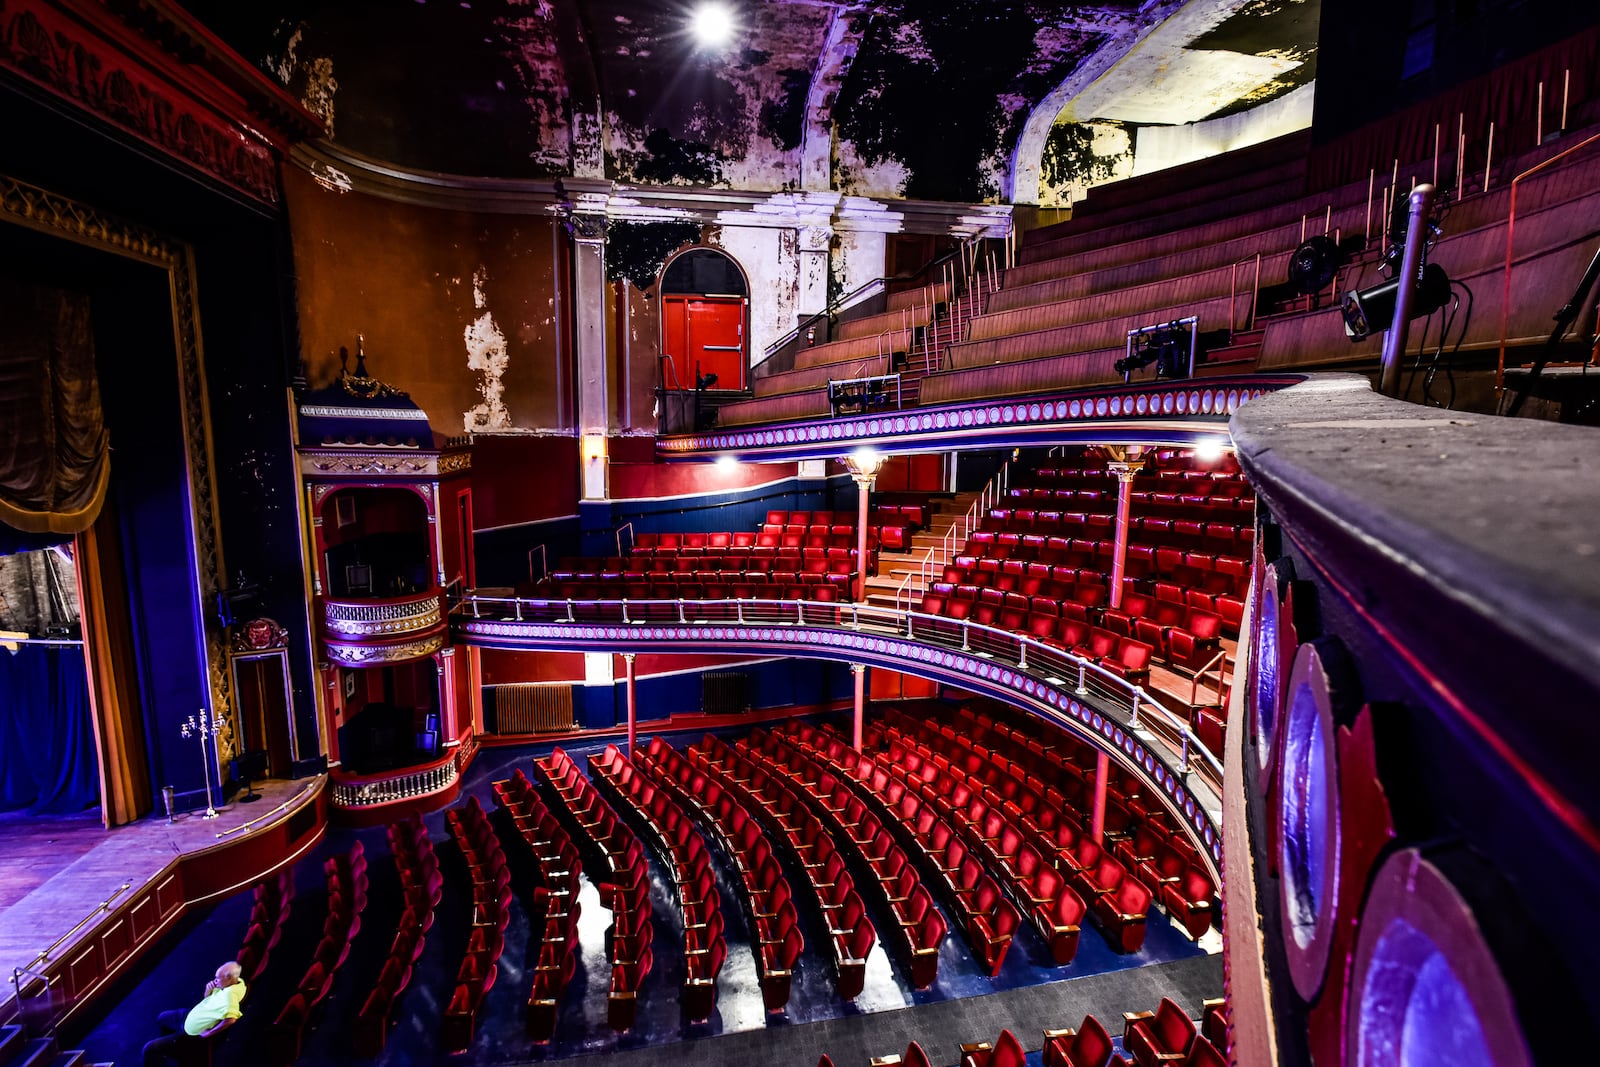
[[1069, 929], [631, 994]]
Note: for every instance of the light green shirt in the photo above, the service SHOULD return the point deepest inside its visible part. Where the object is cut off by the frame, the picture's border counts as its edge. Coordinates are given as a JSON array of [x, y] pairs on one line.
[[220, 1005]]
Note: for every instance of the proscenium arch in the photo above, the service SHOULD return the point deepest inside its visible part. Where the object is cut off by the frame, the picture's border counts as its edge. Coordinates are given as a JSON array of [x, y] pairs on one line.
[[1052, 701]]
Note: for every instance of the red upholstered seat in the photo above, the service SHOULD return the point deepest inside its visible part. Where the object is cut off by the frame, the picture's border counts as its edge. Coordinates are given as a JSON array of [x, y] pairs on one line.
[[1158, 1037], [1088, 1046]]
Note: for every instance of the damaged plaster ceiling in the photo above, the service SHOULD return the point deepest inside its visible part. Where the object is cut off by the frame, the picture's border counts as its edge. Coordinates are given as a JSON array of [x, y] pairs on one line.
[[925, 99]]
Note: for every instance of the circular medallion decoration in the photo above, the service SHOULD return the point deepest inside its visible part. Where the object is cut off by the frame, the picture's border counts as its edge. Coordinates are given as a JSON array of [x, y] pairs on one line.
[[1309, 827], [1425, 986]]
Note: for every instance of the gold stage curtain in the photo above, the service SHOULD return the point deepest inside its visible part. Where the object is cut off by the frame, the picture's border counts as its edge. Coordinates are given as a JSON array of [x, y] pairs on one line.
[[113, 681], [54, 452]]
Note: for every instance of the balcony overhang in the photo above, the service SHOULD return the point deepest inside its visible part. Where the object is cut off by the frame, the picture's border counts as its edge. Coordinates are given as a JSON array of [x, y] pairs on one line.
[[1178, 413]]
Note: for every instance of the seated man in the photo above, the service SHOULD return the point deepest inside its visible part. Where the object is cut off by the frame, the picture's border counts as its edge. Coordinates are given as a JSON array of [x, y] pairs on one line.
[[215, 1013]]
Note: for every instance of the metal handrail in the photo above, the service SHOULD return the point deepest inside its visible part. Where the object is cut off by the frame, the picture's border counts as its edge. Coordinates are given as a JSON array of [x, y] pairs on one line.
[[629, 527], [1052, 664], [274, 813], [844, 302], [1511, 231], [544, 563], [99, 909], [1199, 675], [1233, 294]]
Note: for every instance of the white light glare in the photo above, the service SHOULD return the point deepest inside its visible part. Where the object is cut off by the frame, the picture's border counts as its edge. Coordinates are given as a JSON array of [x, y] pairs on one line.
[[1210, 450], [727, 464], [713, 24]]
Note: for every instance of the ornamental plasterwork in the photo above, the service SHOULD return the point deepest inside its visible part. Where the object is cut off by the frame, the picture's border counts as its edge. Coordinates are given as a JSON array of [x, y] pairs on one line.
[[371, 656], [323, 464]]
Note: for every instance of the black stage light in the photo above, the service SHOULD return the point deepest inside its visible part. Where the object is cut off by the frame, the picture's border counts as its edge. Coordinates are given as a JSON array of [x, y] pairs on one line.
[[1371, 310], [705, 381], [1313, 265]]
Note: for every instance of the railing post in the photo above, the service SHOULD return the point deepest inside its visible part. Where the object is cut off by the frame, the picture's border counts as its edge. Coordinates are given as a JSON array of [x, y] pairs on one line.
[[909, 634], [625, 610], [1134, 719], [855, 616], [1022, 658], [570, 616], [681, 617], [517, 607], [966, 636], [1083, 678], [1183, 760], [738, 609], [475, 613], [800, 612]]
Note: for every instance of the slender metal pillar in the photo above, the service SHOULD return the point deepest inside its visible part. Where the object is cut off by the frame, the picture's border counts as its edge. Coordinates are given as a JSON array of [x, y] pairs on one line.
[[864, 465], [633, 705], [1394, 341], [1102, 774], [860, 671], [1125, 472]]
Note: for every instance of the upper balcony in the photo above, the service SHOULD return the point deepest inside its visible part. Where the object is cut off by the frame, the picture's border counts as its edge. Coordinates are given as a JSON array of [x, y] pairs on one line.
[[368, 632]]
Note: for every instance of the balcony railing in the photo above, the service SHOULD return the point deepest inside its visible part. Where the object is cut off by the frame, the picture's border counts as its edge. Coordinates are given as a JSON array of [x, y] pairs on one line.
[[1117, 713], [404, 784], [346, 620]]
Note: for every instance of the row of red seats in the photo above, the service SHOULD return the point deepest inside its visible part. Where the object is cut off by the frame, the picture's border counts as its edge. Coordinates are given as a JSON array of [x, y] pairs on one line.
[[1225, 480], [1148, 556], [422, 887], [880, 514], [683, 852], [1000, 827], [625, 888], [922, 925], [1183, 635], [491, 914], [1168, 1036], [346, 878], [1143, 837], [766, 542], [769, 902], [1197, 503], [754, 560], [687, 586], [1117, 653], [555, 909], [1152, 1038], [989, 920], [773, 801], [1219, 537], [995, 813], [270, 909]]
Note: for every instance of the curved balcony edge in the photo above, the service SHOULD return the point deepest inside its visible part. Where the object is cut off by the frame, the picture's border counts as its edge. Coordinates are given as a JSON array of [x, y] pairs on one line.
[[1094, 704], [1468, 541], [1163, 412], [392, 794]]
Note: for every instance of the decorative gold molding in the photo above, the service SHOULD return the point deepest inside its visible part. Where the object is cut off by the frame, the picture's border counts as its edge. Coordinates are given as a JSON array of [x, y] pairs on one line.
[[39, 209], [382, 618], [376, 655], [315, 464]]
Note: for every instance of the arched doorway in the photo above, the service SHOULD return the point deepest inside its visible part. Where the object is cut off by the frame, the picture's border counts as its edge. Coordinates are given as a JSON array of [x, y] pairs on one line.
[[704, 307]]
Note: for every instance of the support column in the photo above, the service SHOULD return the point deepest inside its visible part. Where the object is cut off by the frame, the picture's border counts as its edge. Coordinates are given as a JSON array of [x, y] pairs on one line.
[[633, 705], [449, 712], [860, 672], [1102, 774], [864, 464], [589, 343], [1125, 466]]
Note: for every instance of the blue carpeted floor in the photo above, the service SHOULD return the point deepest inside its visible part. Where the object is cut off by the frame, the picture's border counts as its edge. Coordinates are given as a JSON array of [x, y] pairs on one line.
[[173, 975]]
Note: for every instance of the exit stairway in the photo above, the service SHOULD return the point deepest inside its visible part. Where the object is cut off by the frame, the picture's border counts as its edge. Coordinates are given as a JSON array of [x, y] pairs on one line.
[[894, 566]]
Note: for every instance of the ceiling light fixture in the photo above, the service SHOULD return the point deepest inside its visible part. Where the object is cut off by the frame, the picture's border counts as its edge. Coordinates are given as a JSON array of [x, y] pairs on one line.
[[1210, 450], [713, 24]]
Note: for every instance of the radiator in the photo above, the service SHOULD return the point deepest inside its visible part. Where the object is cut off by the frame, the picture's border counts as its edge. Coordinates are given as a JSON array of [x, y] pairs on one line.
[[724, 692], [526, 708]]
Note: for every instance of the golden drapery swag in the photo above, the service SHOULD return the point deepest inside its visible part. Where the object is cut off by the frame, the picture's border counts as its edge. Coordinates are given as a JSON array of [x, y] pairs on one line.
[[54, 450]]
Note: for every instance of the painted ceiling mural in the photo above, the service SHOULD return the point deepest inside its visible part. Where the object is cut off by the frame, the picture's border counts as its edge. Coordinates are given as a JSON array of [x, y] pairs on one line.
[[925, 99]]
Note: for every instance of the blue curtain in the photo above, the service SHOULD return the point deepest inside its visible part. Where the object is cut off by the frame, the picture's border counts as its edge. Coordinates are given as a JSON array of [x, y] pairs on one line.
[[47, 755]]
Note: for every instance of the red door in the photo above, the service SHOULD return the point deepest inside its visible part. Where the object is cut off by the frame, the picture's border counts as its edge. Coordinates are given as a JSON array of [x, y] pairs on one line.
[[708, 330]]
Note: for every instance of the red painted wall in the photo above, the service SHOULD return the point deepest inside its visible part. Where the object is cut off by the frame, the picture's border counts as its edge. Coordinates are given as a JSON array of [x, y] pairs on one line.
[[523, 479]]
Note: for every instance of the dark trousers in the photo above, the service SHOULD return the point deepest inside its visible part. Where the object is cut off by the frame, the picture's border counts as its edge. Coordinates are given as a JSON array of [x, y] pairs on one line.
[[166, 1048]]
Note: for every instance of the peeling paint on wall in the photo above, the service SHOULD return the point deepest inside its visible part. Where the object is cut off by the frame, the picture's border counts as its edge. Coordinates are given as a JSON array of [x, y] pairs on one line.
[[311, 79], [486, 355], [636, 251], [1079, 155]]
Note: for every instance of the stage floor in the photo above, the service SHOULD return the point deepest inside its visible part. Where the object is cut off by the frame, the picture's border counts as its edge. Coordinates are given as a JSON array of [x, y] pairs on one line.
[[58, 870]]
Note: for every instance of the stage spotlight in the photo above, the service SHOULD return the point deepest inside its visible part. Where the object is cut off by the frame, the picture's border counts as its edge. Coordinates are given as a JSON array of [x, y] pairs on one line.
[[705, 381], [713, 25], [1372, 310], [1210, 450], [727, 464]]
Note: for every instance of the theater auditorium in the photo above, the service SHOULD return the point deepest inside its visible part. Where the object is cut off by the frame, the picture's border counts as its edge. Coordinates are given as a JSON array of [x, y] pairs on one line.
[[950, 533]]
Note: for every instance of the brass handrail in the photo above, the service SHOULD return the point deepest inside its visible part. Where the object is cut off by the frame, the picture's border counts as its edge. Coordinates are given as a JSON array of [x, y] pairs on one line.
[[101, 908]]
